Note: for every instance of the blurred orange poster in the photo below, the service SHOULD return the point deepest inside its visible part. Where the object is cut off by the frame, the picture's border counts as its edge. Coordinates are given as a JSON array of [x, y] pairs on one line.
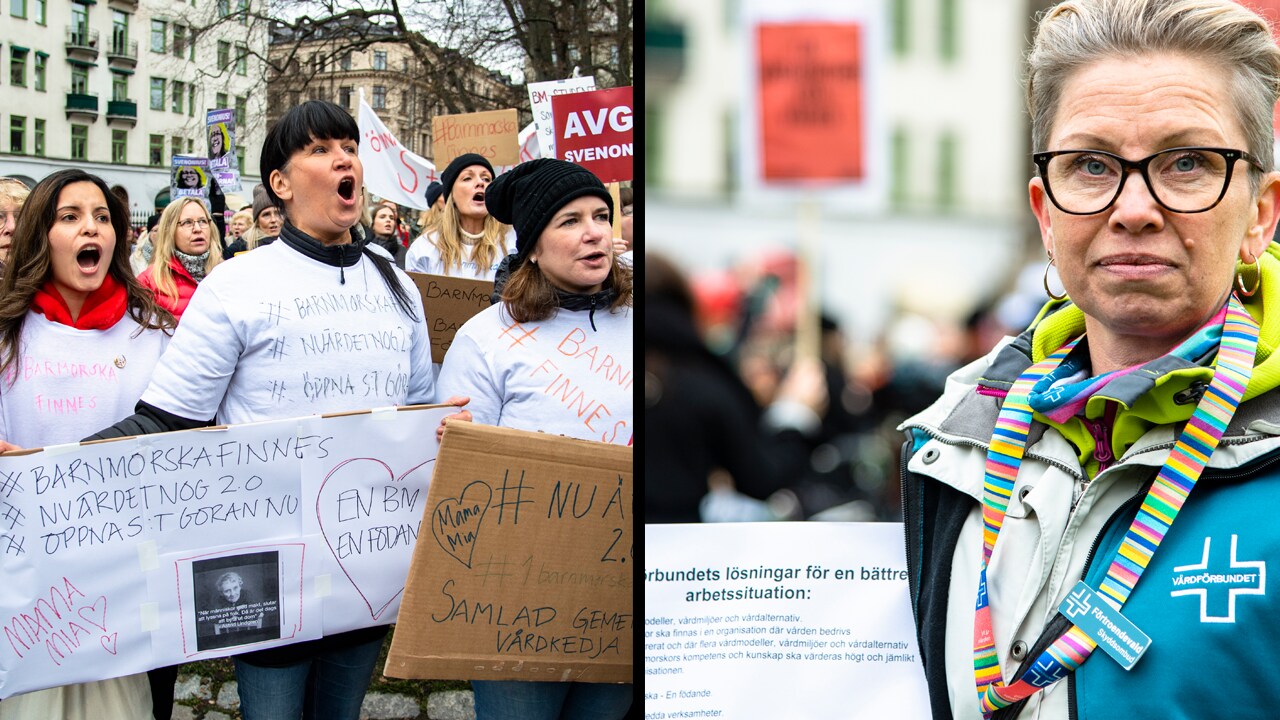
[[1270, 10], [811, 101]]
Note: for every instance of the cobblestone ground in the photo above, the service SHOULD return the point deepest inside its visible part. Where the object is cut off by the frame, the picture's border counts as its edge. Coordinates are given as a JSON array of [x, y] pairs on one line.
[[199, 697]]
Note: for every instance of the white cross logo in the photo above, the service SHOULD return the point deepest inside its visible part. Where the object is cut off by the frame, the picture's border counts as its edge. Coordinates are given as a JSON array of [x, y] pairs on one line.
[[1258, 587]]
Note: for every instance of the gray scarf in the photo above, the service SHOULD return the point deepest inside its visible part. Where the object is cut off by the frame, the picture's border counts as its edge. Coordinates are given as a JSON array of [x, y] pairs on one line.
[[193, 263]]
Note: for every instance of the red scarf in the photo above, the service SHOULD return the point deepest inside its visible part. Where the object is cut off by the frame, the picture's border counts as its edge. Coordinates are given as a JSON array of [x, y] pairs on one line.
[[101, 310]]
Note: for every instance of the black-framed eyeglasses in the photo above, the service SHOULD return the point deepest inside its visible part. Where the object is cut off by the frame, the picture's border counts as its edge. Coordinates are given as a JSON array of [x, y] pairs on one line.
[[1182, 180]]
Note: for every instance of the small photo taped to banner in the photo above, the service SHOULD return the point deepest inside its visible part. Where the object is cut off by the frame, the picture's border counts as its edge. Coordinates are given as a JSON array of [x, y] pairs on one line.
[[237, 599]]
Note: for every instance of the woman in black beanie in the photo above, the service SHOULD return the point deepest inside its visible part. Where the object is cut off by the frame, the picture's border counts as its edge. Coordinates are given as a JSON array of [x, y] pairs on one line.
[[568, 293]]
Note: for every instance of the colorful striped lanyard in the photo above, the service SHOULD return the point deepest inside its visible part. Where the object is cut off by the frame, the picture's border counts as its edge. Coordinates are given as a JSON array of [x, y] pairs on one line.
[[1186, 462]]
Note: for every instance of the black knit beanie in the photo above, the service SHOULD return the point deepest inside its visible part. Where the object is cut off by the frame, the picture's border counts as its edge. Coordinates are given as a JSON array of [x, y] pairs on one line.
[[529, 195], [460, 163], [434, 191]]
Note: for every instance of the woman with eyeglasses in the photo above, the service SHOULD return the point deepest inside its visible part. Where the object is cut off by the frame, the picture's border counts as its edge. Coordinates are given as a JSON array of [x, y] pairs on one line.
[[1099, 493], [185, 250], [12, 194]]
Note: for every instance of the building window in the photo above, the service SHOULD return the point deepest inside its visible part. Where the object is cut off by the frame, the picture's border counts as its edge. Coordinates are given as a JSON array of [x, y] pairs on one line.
[[119, 86], [948, 30], [42, 62], [42, 15], [157, 93], [158, 30], [345, 62], [80, 23], [222, 101], [80, 80], [17, 67], [191, 100], [379, 59], [179, 92], [240, 158], [224, 8], [379, 97], [244, 11], [120, 147], [948, 152], [177, 145], [17, 135], [344, 96], [119, 32], [405, 107], [224, 55], [18, 8], [79, 142], [242, 107], [406, 64], [179, 40], [38, 140], [155, 151], [900, 180], [191, 146], [242, 59]]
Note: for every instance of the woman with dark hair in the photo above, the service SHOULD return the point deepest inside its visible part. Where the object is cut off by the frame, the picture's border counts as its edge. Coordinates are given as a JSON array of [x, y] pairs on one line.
[[386, 222], [469, 242], [568, 287], [238, 359], [69, 296]]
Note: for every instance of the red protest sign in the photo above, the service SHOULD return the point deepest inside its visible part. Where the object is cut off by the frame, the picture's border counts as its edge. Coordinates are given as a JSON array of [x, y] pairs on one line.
[[593, 129], [811, 101]]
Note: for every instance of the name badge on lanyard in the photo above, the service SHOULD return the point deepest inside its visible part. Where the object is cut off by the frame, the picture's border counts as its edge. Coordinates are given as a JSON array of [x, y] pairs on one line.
[[1105, 625]]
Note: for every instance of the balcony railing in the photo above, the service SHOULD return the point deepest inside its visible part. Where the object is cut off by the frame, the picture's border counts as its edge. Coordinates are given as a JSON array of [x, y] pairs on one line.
[[82, 42], [122, 112], [82, 104], [123, 52]]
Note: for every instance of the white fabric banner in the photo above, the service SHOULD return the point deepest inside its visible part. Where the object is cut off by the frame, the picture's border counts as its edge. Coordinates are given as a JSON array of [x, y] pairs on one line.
[[819, 609], [150, 551], [391, 170], [540, 94]]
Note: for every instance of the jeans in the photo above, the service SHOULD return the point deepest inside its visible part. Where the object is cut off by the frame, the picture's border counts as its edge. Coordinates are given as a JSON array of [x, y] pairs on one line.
[[517, 700], [328, 686]]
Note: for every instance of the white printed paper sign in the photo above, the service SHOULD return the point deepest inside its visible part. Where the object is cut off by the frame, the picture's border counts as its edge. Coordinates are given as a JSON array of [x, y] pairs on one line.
[[816, 614], [124, 556]]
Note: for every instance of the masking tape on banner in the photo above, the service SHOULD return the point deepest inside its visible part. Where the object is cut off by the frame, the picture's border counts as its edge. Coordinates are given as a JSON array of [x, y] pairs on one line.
[[384, 413], [61, 449], [324, 585], [148, 556], [150, 616]]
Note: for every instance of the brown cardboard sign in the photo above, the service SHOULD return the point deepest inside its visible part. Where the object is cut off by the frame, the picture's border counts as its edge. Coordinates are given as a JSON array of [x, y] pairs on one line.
[[493, 134], [449, 302], [524, 563]]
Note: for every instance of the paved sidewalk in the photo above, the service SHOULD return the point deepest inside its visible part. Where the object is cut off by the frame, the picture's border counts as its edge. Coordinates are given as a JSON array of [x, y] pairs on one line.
[[197, 697]]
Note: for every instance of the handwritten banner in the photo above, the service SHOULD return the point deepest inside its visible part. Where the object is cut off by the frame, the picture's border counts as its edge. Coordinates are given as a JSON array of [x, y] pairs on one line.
[[133, 554], [493, 134], [449, 302], [526, 572], [391, 170], [594, 130]]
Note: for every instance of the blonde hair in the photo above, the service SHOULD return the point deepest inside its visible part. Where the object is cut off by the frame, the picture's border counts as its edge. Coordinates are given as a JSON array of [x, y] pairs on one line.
[[15, 191], [489, 249], [251, 237], [164, 242], [429, 220], [246, 215], [1075, 33]]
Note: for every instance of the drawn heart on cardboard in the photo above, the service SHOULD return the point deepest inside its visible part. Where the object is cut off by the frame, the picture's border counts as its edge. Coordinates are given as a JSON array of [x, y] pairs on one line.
[[112, 637], [455, 522], [345, 492], [89, 613]]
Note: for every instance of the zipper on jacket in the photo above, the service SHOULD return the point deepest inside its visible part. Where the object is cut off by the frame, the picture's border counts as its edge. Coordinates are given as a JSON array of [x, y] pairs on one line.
[[1100, 429]]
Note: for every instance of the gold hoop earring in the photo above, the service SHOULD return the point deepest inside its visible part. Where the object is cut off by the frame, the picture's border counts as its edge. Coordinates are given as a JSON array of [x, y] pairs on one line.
[[1257, 268], [1047, 290]]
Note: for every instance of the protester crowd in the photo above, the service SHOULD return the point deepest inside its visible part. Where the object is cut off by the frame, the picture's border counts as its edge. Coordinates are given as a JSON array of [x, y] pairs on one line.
[[177, 313]]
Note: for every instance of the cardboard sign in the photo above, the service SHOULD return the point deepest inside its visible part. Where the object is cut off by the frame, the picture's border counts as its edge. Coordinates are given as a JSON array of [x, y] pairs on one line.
[[132, 554], [594, 129], [493, 134], [810, 101], [526, 572], [449, 302]]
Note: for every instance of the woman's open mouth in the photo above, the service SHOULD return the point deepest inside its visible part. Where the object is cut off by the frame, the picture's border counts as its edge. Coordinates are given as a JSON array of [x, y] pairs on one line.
[[88, 259], [347, 188]]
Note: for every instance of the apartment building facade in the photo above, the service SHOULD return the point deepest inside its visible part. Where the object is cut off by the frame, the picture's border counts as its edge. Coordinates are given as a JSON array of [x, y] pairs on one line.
[[119, 87]]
